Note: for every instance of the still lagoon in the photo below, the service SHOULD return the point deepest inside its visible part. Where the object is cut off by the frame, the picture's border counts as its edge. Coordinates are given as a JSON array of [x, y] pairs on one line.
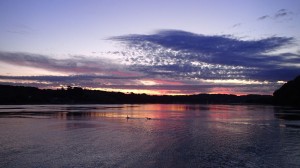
[[153, 135]]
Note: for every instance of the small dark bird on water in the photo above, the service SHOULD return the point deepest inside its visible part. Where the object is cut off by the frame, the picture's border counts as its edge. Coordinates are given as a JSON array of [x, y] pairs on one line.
[[148, 118], [127, 117]]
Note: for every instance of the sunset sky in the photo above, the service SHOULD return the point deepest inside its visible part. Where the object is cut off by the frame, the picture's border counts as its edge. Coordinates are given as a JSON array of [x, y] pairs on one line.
[[154, 47]]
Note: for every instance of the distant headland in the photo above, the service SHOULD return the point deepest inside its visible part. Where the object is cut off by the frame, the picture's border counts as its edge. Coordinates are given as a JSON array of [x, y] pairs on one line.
[[288, 94]]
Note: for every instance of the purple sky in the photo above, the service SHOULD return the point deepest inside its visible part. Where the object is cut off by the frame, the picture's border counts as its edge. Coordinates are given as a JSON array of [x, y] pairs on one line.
[[154, 47]]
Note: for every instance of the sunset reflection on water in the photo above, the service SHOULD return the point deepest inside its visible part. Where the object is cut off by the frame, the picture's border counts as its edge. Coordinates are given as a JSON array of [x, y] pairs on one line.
[[174, 135], [152, 111]]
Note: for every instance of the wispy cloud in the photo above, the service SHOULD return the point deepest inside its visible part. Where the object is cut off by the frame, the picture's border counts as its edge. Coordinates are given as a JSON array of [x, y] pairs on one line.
[[92, 81], [282, 13], [185, 55], [134, 85], [74, 65], [236, 25], [69, 78], [263, 17]]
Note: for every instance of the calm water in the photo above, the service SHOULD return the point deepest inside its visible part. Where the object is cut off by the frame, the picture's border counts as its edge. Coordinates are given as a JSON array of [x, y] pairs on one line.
[[176, 136]]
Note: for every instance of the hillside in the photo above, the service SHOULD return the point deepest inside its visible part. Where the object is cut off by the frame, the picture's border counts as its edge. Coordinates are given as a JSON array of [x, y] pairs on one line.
[[289, 93], [76, 95]]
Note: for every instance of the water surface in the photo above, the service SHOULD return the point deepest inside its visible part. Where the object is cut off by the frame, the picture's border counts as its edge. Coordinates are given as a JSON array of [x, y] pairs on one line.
[[172, 136]]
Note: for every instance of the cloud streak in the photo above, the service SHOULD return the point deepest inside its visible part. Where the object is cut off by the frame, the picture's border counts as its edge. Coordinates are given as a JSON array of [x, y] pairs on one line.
[[263, 17], [91, 81], [77, 65], [282, 13], [134, 85]]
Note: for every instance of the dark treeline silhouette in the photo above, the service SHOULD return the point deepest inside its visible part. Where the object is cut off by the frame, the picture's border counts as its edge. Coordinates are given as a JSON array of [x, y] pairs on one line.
[[289, 93], [76, 95]]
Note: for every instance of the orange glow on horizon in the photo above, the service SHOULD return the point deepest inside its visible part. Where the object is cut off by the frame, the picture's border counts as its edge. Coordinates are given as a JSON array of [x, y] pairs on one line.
[[127, 91], [221, 90], [168, 92], [142, 91]]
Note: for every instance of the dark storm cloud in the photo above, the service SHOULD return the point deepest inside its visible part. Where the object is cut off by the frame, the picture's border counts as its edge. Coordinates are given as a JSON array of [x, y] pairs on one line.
[[181, 54]]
